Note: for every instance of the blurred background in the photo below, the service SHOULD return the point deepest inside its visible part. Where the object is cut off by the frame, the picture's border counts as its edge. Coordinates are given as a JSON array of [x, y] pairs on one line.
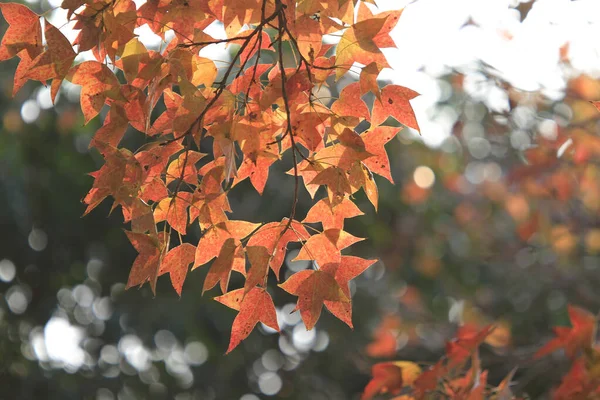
[[493, 219]]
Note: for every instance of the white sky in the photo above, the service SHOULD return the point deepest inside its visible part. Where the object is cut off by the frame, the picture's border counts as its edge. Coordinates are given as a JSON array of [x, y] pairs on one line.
[[431, 36]]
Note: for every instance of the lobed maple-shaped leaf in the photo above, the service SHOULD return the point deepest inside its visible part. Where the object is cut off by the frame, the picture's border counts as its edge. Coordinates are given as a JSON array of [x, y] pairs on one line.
[[470, 386], [332, 216], [361, 177], [184, 167], [98, 83], [395, 102], [375, 140], [214, 238], [350, 104], [174, 210], [357, 45], [147, 264], [259, 258], [391, 377], [231, 258], [325, 247], [368, 80], [23, 39], [176, 263], [253, 307], [579, 337], [55, 62], [467, 340], [275, 236], [349, 268], [313, 288]]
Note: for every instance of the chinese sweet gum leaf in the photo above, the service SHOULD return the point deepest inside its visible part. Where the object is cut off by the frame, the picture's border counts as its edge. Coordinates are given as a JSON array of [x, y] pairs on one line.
[[254, 306], [357, 45], [313, 288], [55, 62], [395, 102], [214, 238], [391, 377], [375, 140], [146, 265], [325, 247], [259, 258], [572, 340], [275, 237], [332, 216], [349, 268], [24, 31], [23, 39], [231, 257], [176, 263], [98, 83]]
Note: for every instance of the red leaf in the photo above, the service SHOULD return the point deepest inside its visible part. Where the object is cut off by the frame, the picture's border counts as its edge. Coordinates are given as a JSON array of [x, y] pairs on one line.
[[23, 39], [572, 340], [313, 288], [55, 62], [350, 267], [176, 263], [275, 237], [256, 306], [147, 264], [395, 102], [391, 377]]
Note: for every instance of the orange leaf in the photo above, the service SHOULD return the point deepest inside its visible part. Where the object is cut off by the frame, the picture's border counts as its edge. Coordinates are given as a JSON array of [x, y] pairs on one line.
[[23, 39], [256, 306], [391, 377], [275, 237], [313, 288], [350, 267], [572, 340], [55, 62], [395, 102], [231, 257], [214, 238], [147, 264], [176, 263]]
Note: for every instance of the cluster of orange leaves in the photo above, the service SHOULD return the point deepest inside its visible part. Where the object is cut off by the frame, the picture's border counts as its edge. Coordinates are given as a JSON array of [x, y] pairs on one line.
[[251, 112], [458, 374]]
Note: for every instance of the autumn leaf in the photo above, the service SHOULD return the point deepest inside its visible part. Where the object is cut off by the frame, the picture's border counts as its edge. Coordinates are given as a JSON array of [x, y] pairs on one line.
[[313, 288], [174, 210], [214, 238], [349, 268], [391, 377], [332, 216], [395, 103], [259, 258], [357, 45], [254, 306], [23, 39], [467, 340], [275, 237], [325, 247], [231, 258], [97, 84], [368, 80], [176, 263], [55, 62], [147, 264], [572, 340], [375, 140]]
